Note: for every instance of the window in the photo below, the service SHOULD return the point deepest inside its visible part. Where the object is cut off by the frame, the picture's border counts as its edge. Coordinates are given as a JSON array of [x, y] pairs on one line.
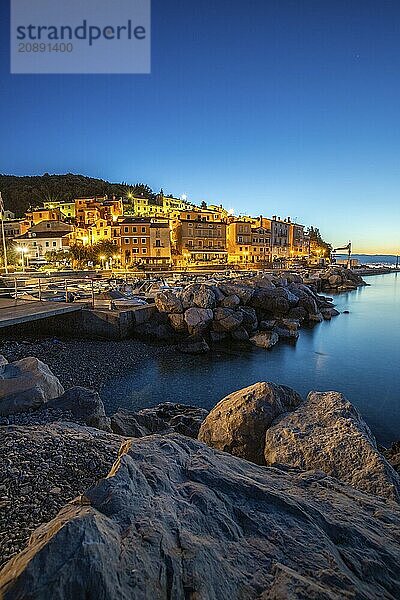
[[135, 250], [158, 243], [54, 244], [240, 239], [47, 244], [134, 240], [48, 225], [144, 251], [143, 240], [126, 240], [126, 229], [134, 229], [143, 229], [190, 243]]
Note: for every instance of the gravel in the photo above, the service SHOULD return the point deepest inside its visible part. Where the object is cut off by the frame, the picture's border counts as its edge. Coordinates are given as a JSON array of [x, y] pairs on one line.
[[43, 467], [88, 363]]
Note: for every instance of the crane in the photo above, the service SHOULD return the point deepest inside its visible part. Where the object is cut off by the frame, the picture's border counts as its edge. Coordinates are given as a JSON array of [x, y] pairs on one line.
[[348, 248]]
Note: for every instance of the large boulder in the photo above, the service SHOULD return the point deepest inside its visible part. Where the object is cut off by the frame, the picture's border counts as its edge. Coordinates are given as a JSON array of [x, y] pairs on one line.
[[168, 417], [198, 320], [232, 301], [175, 519], [238, 423], [177, 322], [84, 405], [276, 301], [250, 321], [167, 301], [227, 319], [199, 295], [326, 432], [25, 385], [242, 291]]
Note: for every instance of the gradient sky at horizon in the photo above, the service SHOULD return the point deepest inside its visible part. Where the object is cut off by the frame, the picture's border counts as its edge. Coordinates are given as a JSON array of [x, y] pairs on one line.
[[270, 107]]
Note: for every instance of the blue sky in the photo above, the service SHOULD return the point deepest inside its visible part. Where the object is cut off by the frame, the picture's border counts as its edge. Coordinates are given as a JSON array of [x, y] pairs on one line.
[[270, 107]]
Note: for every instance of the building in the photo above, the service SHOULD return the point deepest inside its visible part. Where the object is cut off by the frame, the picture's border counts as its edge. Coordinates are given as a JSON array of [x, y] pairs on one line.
[[8, 215], [142, 241], [67, 209], [299, 246], [280, 242], [261, 249], [36, 215], [15, 227], [199, 236], [46, 236], [239, 240], [87, 210]]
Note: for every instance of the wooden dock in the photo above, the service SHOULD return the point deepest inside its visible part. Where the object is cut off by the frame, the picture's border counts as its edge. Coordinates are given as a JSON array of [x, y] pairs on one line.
[[15, 312]]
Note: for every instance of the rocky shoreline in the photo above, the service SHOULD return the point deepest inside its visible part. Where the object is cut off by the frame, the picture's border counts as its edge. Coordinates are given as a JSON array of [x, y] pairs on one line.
[[176, 502], [259, 310]]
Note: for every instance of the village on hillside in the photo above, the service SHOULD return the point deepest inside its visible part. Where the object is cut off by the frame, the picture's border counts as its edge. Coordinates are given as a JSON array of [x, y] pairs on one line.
[[160, 233]]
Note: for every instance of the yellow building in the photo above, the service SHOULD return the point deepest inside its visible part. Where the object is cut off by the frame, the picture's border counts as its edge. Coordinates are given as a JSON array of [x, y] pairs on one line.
[[37, 215], [239, 239], [199, 237], [67, 209]]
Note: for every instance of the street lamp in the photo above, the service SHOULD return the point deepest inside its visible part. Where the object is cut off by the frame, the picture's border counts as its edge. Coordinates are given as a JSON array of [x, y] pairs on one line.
[[23, 251]]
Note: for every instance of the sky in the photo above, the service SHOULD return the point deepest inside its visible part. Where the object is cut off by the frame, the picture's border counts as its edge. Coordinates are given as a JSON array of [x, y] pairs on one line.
[[286, 107]]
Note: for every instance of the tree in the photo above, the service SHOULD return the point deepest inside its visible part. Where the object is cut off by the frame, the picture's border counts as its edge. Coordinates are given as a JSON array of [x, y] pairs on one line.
[[318, 246], [203, 205], [58, 257]]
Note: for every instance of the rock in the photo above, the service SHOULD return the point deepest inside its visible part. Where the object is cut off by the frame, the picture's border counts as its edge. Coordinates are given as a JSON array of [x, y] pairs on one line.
[[328, 313], [316, 318], [25, 385], [267, 325], [218, 336], [250, 321], [292, 324], [3, 360], [238, 423], [299, 313], [232, 301], [286, 333], [198, 320], [84, 405], [175, 519], [194, 345], [327, 433], [164, 418], [275, 300], [244, 292], [168, 302], [178, 323], [265, 339], [204, 297], [200, 295], [226, 319], [392, 455], [240, 334]]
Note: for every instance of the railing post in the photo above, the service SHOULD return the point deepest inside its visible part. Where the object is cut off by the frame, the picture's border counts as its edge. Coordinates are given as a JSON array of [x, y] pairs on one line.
[[40, 291], [92, 293], [16, 289], [66, 290]]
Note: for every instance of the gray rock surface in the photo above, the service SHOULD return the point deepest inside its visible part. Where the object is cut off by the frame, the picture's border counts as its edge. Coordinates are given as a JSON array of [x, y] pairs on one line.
[[326, 432], [164, 418], [85, 406], [26, 384], [167, 301], [226, 319], [178, 520], [238, 423], [198, 319]]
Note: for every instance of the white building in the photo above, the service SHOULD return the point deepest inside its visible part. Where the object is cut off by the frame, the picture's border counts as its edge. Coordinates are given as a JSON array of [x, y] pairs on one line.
[[46, 236]]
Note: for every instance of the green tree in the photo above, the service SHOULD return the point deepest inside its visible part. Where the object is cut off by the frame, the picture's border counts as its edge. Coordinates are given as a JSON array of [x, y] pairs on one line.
[[317, 243]]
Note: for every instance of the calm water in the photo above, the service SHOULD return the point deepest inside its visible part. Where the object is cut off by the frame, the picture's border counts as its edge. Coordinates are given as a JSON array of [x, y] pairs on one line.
[[357, 354]]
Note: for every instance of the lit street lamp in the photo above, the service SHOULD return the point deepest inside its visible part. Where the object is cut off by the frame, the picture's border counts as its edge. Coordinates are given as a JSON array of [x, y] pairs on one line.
[[23, 251]]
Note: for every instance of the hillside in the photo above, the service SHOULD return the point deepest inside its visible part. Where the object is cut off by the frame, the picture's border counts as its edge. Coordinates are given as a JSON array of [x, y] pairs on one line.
[[21, 192]]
